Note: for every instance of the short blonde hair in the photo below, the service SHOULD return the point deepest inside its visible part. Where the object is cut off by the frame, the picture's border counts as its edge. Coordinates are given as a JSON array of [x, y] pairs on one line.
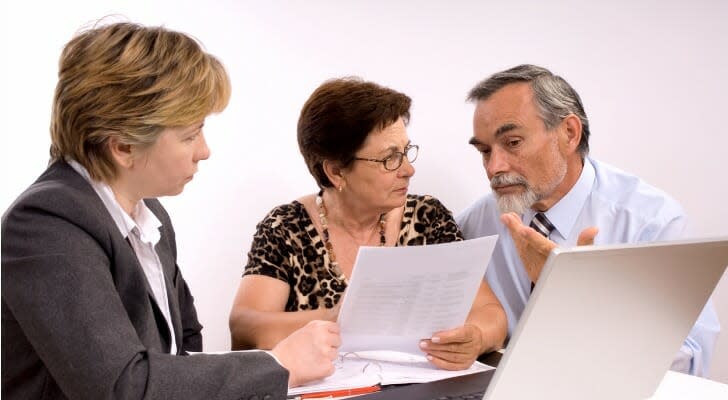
[[129, 81]]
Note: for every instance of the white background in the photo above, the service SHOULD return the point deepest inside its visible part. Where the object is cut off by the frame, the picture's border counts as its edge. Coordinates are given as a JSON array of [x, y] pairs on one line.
[[652, 75]]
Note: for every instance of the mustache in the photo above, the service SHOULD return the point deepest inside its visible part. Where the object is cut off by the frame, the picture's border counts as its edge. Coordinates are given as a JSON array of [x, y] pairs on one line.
[[507, 180]]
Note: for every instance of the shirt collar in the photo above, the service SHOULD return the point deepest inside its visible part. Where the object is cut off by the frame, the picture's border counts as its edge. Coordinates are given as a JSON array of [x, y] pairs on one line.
[[146, 223], [564, 213]]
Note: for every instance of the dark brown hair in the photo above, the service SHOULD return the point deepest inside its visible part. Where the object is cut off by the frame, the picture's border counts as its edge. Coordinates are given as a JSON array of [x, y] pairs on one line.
[[339, 115]]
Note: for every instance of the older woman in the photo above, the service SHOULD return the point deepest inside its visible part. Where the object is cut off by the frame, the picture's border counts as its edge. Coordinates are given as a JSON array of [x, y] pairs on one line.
[[353, 137], [93, 303]]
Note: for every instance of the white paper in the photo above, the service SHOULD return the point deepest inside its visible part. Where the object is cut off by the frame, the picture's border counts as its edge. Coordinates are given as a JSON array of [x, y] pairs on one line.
[[679, 386], [400, 295], [368, 368]]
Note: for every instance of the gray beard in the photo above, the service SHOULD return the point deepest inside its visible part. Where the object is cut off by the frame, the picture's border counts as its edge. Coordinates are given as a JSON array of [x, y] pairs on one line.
[[517, 203], [522, 202]]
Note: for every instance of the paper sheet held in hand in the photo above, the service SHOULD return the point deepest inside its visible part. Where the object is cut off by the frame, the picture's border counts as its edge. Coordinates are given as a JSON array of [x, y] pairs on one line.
[[400, 295]]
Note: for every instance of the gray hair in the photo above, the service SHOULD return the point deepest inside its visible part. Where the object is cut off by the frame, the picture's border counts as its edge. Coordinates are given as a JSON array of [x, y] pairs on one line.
[[555, 98]]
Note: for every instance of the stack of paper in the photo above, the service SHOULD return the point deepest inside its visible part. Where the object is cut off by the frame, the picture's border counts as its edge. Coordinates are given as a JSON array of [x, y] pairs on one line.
[[396, 297], [369, 368]]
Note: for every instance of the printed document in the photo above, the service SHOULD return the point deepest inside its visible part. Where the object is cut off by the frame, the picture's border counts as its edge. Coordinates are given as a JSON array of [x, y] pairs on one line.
[[400, 295], [369, 368]]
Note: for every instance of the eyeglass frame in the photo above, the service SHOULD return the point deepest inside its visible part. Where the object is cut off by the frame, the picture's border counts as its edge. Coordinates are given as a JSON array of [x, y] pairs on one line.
[[402, 155]]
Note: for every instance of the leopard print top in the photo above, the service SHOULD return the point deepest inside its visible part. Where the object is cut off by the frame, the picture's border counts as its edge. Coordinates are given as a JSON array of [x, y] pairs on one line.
[[287, 246]]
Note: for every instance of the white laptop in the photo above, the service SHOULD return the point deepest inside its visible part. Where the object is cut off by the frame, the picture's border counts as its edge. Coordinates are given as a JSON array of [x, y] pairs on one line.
[[605, 322]]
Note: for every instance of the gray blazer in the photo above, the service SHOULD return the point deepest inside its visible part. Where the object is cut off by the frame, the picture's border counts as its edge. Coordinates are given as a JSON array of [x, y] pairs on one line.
[[79, 319]]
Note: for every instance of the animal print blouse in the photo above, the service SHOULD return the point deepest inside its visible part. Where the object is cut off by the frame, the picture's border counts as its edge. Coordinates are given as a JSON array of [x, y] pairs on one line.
[[287, 246]]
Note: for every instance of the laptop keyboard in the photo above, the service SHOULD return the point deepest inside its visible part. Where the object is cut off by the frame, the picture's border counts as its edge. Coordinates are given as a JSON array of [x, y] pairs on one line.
[[469, 396]]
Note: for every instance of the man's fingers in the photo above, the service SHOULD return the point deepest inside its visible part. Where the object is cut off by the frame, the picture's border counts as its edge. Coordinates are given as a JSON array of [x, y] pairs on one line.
[[539, 242], [512, 222], [526, 236], [586, 237]]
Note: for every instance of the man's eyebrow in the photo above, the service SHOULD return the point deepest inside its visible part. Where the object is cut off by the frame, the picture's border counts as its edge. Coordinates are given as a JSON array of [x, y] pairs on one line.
[[505, 128], [498, 132], [474, 141]]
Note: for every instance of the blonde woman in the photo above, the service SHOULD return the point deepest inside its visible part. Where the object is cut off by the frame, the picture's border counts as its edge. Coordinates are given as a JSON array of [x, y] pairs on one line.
[[93, 302]]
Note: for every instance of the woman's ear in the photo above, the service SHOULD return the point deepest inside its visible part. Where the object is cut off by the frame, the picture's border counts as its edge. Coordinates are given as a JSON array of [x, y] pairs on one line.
[[335, 172], [121, 153]]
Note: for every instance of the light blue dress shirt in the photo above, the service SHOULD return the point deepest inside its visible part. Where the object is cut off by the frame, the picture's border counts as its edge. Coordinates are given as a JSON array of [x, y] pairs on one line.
[[625, 209]]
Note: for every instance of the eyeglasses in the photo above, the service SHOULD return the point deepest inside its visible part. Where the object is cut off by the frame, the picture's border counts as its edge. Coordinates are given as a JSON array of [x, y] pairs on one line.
[[394, 160]]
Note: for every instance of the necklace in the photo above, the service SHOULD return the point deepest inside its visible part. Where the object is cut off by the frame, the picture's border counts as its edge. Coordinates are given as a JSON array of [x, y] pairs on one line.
[[325, 231]]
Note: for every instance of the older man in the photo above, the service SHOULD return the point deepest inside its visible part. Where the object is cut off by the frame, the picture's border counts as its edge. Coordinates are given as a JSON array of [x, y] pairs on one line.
[[533, 134]]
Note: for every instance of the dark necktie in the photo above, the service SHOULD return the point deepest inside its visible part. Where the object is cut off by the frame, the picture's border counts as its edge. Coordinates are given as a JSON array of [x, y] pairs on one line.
[[543, 226]]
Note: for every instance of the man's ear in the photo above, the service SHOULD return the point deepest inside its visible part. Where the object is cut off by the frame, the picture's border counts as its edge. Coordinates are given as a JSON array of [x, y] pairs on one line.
[[335, 172], [121, 153], [572, 130]]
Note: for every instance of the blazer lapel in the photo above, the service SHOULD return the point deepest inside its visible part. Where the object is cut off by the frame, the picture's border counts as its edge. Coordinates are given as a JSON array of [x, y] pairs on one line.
[[169, 266], [144, 290], [129, 278]]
